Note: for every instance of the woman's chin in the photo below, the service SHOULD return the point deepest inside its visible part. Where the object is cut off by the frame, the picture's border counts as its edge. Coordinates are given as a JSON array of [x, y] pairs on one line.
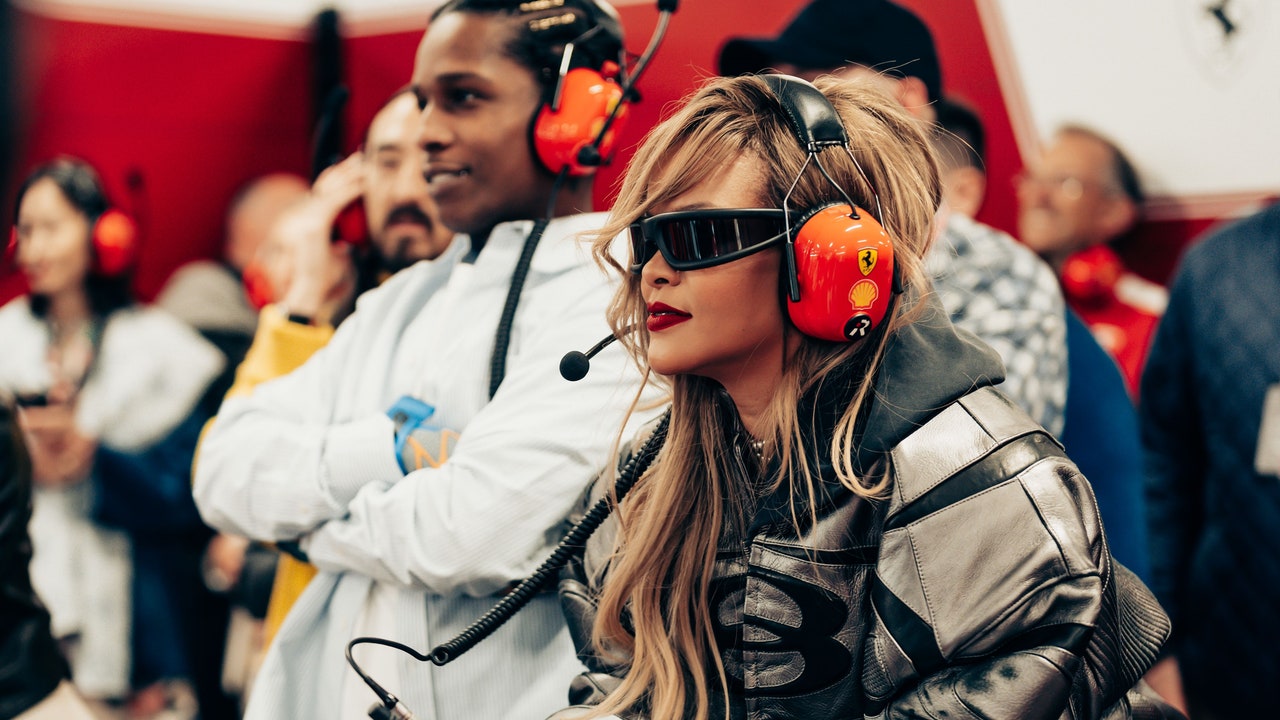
[[669, 363]]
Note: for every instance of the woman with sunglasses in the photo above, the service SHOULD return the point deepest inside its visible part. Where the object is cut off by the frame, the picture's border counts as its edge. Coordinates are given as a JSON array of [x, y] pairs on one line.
[[844, 517]]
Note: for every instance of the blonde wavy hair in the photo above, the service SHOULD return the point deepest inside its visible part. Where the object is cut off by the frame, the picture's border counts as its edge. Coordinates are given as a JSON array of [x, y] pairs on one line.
[[673, 519]]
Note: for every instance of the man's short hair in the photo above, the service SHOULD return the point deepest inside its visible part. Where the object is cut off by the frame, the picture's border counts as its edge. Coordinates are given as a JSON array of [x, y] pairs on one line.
[[593, 26], [958, 135], [1126, 175]]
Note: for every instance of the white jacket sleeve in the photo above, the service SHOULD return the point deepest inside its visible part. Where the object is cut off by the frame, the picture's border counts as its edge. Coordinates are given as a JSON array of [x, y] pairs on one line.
[[273, 465], [492, 513]]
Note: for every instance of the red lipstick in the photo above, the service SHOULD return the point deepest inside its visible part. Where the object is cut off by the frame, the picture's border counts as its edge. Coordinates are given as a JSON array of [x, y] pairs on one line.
[[663, 316]]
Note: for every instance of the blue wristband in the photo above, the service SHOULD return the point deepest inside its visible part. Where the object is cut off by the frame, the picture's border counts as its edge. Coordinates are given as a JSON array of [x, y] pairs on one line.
[[408, 413]]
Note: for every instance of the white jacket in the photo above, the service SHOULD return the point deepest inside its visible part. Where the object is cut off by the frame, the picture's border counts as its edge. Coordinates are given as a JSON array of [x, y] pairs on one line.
[[310, 455], [149, 373]]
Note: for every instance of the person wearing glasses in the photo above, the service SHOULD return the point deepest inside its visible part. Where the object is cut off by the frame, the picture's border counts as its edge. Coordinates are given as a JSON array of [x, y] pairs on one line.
[[1077, 203], [844, 517], [990, 284]]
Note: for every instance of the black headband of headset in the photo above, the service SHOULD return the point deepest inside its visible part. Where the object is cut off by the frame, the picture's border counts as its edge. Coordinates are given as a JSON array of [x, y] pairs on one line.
[[810, 115]]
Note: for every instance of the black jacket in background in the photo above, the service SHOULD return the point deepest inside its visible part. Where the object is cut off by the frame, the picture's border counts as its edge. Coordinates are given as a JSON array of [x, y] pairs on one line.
[[30, 664]]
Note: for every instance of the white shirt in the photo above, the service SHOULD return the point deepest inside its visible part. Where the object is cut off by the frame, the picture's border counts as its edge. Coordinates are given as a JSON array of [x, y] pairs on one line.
[[311, 455]]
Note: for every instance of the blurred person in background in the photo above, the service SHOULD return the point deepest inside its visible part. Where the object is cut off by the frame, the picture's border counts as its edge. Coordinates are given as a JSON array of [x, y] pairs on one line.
[[94, 373], [1100, 428], [209, 295], [1075, 203], [33, 673], [1210, 414], [960, 143], [315, 282]]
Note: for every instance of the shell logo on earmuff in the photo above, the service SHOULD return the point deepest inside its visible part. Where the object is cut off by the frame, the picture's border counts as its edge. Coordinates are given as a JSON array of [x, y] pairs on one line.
[[863, 294]]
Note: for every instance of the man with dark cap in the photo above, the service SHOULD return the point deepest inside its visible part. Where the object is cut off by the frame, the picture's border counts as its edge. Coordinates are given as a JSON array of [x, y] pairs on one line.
[[992, 285]]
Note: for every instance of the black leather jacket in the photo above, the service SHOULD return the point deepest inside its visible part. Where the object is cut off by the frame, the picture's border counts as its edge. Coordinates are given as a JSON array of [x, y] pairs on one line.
[[30, 664], [981, 587]]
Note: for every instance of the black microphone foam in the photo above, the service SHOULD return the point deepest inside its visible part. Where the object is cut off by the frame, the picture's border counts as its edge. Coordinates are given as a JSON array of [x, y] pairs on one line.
[[574, 365], [589, 155]]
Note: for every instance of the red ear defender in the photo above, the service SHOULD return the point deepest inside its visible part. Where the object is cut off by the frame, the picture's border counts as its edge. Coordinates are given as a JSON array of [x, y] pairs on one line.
[[1091, 275], [844, 268], [257, 286], [574, 120], [115, 243], [352, 225]]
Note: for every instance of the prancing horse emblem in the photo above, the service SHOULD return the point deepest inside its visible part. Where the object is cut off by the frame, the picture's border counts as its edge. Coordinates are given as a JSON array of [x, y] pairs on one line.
[[867, 258]]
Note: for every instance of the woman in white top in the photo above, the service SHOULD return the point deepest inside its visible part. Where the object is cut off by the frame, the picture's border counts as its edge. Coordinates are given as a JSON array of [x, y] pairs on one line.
[[89, 368]]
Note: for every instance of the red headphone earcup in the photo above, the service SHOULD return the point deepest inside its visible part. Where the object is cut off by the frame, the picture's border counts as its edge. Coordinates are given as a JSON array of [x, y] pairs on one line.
[[257, 286], [115, 243], [1090, 275], [844, 264], [586, 99], [352, 225]]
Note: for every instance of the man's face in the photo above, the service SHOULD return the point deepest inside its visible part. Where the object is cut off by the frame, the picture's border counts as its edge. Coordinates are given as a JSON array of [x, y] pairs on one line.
[[476, 107], [403, 220], [1069, 201]]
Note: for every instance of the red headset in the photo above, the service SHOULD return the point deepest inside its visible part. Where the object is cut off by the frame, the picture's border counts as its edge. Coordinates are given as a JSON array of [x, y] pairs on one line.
[[841, 274], [844, 268], [113, 239], [115, 243], [1090, 276], [576, 129]]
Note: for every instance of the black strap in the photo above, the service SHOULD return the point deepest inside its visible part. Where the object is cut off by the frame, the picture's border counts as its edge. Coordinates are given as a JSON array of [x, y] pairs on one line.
[[502, 339]]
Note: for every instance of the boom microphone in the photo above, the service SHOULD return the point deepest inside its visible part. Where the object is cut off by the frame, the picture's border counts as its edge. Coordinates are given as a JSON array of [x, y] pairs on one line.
[[589, 155], [575, 364]]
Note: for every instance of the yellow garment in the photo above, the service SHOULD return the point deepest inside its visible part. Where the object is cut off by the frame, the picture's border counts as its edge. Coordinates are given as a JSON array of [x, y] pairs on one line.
[[279, 347]]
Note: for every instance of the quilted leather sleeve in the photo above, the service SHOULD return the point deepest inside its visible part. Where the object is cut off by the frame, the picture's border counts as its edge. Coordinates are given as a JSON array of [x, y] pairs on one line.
[[992, 571]]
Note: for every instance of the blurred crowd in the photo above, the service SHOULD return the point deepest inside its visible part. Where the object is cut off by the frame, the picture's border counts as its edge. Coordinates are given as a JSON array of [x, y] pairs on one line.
[[284, 362]]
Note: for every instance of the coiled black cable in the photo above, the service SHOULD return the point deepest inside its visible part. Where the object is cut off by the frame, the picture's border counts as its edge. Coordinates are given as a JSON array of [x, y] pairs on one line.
[[573, 542]]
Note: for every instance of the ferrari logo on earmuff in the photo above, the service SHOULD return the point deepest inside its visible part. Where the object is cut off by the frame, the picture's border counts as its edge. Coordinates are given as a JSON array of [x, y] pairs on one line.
[[867, 258]]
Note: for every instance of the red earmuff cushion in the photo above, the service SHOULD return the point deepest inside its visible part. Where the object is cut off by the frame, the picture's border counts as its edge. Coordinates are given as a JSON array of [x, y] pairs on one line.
[[257, 286], [115, 242], [586, 99], [845, 269], [1091, 275]]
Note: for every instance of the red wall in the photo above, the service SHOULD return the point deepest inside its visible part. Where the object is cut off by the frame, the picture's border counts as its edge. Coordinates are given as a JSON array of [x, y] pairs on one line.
[[196, 115]]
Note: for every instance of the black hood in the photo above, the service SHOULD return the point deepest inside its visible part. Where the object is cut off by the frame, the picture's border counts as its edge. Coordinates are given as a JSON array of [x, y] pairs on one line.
[[928, 365]]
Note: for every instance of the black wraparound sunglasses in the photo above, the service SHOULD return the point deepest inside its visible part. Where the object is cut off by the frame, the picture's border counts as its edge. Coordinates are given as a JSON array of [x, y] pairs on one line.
[[696, 239]]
